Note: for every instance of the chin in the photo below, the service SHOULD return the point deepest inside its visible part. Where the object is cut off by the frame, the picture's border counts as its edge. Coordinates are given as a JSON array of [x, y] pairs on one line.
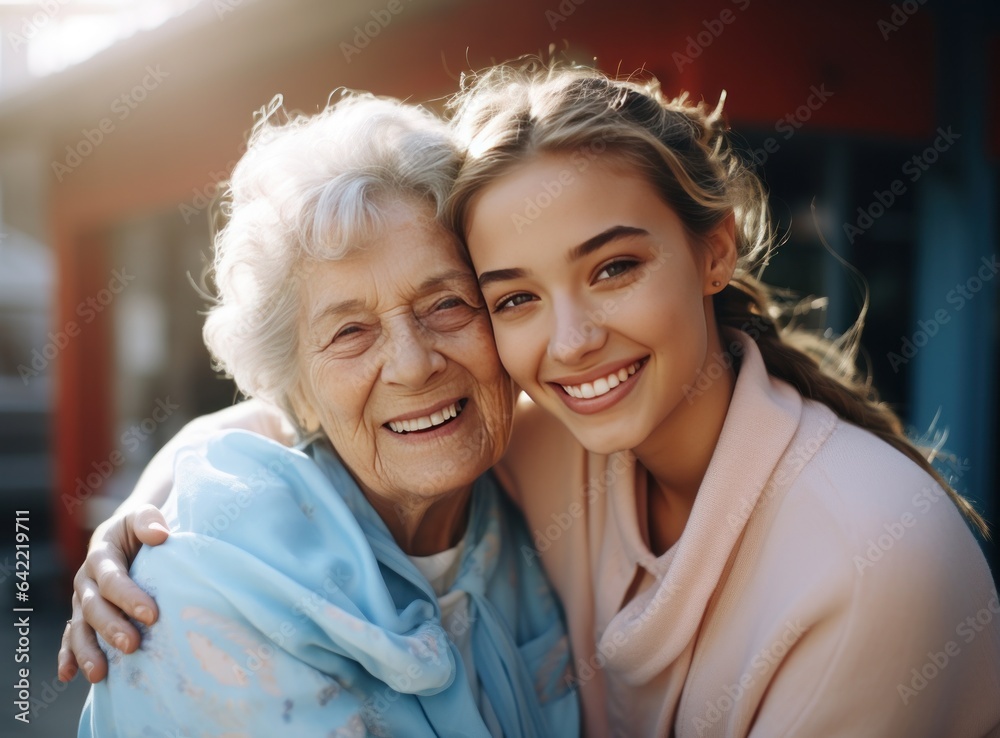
[[606, 443]]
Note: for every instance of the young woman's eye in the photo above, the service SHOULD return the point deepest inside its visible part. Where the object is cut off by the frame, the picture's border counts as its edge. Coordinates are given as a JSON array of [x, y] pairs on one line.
[[616, 269], [512, 301]]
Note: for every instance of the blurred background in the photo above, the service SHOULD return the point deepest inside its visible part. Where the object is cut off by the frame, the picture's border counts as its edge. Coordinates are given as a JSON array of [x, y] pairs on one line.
[[118, 119]]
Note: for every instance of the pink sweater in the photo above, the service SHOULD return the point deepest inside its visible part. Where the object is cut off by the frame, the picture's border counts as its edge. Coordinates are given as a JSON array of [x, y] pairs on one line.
[[823, 585]]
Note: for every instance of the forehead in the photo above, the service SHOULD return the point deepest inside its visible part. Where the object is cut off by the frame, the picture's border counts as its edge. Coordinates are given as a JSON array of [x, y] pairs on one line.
[[411, 255], [558, 198]]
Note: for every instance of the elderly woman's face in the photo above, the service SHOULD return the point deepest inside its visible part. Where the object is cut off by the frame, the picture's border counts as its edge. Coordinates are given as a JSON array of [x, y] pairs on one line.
[[398, 365]]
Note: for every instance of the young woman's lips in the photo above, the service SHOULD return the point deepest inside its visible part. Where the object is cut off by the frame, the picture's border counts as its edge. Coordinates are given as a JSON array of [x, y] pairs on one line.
[[602, 391], [441, 421]]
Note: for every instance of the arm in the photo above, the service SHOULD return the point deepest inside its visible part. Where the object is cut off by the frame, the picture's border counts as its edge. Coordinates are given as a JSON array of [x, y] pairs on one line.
[[209, 666], [103, 591], [277, 622]]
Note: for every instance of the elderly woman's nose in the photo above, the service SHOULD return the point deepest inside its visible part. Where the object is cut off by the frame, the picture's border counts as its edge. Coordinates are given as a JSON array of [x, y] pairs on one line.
[[411, 356]]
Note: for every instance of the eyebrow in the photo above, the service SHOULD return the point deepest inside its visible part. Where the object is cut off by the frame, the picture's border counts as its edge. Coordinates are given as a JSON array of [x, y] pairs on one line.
[[428, 285], [452, 275], [602, 239], [336, 308], [589, 246]]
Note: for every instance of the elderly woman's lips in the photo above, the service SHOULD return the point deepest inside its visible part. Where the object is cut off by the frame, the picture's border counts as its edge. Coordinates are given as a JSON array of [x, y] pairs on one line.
[[425, 422]]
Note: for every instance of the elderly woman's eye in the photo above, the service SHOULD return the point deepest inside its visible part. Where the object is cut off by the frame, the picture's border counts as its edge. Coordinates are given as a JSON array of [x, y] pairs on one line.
[[347, 331], [449, 314], [450, 302]]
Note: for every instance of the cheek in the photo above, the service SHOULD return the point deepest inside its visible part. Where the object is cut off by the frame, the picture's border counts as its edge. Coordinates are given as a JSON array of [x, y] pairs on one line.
[[492, 382], [475, 348], [518, 350], [342, 393], [665, 319]]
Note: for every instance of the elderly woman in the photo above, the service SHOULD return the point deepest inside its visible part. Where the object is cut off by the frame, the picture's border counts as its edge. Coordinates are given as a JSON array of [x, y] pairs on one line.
[[371, 579]]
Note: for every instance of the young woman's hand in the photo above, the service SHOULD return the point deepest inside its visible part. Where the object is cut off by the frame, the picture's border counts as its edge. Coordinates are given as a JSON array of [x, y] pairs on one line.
[[104, 594]]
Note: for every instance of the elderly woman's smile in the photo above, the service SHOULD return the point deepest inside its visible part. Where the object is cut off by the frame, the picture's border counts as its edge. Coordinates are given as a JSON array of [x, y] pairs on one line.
[[397, 366], [429, 423], [373, 580]]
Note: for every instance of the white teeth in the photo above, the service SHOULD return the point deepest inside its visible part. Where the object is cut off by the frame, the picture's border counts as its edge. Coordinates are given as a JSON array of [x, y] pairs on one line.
[[427, 421], [603, 385]]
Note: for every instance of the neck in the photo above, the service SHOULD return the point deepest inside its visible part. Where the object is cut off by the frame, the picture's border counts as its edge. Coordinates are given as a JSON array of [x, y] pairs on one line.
[[423, 527], [678, 452]]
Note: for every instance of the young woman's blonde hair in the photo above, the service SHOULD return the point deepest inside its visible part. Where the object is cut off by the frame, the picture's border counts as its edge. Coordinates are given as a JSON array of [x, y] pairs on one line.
[[516, 111]]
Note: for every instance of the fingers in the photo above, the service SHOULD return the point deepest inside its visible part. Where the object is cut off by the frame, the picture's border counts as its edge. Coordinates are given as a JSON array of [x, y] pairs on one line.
[[104, 593], [101, 611], [83, 643], [105, 596], [117, 588], [149, 525], [107, 565], [67, 667]]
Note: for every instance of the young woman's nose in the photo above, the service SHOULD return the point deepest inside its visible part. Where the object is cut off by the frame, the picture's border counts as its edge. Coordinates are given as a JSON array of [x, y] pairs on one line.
[[576, 331]]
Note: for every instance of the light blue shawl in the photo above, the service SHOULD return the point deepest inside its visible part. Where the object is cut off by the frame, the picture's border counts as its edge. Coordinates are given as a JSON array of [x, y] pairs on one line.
[[287, 609]]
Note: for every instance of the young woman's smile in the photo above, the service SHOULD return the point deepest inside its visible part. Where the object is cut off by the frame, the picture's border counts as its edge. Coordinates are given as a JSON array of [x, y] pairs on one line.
[[604, 387]]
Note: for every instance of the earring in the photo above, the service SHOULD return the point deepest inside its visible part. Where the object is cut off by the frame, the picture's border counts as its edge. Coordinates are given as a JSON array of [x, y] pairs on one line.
[[716, 283]]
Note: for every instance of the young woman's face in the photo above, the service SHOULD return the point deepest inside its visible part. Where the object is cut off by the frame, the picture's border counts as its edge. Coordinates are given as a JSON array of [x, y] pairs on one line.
[[597, 298]]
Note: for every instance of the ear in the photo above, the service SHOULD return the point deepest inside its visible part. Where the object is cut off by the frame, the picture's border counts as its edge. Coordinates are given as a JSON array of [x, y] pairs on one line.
[[720, 256]]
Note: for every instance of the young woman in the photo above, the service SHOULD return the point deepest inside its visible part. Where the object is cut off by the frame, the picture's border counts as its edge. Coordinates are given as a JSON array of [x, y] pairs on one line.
[[766, 552], [744, 540]]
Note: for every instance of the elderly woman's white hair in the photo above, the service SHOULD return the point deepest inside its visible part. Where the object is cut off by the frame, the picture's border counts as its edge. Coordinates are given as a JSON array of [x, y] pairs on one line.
[[310, 188]]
